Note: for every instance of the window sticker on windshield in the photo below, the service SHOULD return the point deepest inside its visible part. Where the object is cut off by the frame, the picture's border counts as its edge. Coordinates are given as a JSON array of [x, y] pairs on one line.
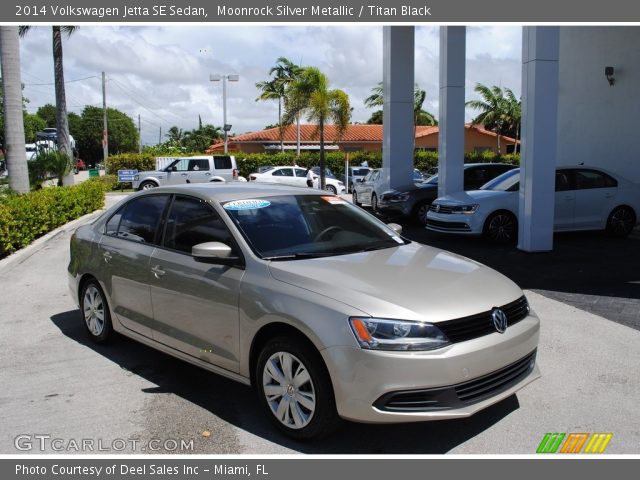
[[249, 204], [334, 200]]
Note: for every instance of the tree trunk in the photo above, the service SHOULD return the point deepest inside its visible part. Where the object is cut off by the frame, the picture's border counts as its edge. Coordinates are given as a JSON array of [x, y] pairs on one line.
[[322, 176], [298, 136], [280, 124], [15, 153], [64, 144]]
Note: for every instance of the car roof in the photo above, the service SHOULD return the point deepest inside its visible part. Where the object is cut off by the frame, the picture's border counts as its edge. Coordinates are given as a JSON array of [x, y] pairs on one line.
[[225, 192]]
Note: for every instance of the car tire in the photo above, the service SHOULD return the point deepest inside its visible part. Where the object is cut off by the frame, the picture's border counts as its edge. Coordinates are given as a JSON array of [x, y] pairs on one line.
[[501, 227], [420, 213], [374, 202], [147, 185], [621, 221], [301, 411], [354, 196], [95, 312], [331, 188]]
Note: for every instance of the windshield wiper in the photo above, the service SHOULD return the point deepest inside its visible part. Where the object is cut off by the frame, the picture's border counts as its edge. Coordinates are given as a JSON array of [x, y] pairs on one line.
[[301, 255]]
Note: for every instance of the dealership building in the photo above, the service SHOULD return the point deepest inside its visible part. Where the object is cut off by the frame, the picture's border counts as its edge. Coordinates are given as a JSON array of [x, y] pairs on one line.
[[579, 106]]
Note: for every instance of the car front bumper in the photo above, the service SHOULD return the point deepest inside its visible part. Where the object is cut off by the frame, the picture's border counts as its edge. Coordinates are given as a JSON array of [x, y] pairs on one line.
[[389, 387], [455, 223], [394, 209]]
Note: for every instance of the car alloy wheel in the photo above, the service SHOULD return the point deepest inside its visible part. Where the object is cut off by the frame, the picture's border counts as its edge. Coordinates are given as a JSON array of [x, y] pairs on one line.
[[331, 188], [95, 312], [355, 199], [374, 202], [501, 227], [147, 186], [421, 213], [293, 385], [621, 221]]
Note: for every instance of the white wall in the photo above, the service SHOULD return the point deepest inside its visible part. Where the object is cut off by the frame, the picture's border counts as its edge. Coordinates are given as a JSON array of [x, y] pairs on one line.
[[599, 124]]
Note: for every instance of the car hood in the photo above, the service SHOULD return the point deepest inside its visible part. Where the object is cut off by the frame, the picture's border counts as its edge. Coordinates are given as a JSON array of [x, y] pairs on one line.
[[412, 282], [472, 196]]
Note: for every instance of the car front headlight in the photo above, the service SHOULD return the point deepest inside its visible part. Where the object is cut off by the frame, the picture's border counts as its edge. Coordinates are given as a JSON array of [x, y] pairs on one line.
[[385, 334], [468, 209], [396, 197], [341, 184]]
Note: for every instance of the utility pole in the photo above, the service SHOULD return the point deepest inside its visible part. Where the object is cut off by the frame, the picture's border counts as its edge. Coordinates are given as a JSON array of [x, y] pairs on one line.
[[160, 137], [139, 136], [105, 136], [232, 78]]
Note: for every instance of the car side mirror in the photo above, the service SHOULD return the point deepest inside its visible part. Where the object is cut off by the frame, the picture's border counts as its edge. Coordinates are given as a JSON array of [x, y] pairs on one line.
[[395, 227], [213, 252], [360, 180], [171, 169]]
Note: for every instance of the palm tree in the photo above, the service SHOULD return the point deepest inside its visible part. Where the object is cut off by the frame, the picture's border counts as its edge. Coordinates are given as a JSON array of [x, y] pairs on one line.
[[309, 93], [175, 134], [273, 90], [286, 72], [12, 105], [64, 145], [376, 99], [498, 113]]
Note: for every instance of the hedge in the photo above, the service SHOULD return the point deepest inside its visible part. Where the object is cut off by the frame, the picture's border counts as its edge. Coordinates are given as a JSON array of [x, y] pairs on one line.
[[249, 162], [23, 218]]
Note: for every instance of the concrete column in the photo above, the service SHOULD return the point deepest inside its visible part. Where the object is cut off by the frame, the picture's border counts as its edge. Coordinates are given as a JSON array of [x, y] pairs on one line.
[[451, 137], [399, 138], [540, 47]]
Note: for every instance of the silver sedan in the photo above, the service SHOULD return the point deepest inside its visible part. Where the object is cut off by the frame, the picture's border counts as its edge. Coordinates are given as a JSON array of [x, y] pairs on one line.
[[328, 312]]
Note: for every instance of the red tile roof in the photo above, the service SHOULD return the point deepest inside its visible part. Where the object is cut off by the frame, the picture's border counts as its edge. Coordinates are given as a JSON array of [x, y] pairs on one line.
[[310, 134]]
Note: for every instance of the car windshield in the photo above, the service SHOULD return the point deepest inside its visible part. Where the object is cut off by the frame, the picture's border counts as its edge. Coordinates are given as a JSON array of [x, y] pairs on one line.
[[507, 182], [290, 227], [327, 173], [432, 180]]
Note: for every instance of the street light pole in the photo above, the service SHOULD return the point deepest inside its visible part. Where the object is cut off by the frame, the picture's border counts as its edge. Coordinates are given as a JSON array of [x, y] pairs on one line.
[[232, 78]]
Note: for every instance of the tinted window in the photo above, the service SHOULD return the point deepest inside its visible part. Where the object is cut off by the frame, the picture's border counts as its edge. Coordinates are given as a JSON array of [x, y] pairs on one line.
[[192, 221], [139, 219], [586, 179], [301, 172], [222, 163], [360, 171], [283, 172], [199, 164], [563, 181]]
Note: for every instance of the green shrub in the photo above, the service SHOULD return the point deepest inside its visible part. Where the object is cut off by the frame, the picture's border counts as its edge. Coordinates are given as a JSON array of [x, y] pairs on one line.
[[23, 218], [130, 161]]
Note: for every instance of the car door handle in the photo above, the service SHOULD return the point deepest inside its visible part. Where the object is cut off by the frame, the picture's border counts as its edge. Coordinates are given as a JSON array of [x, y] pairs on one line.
[[158, 271], [608, 195], [184, 174], [107, 256], [208, 174]]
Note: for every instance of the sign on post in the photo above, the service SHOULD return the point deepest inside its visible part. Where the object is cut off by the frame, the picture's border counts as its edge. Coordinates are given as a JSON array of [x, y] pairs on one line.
[[126, 175]]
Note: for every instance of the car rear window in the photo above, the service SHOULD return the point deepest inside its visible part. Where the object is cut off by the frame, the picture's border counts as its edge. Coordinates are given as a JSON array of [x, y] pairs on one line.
[[222, 163]]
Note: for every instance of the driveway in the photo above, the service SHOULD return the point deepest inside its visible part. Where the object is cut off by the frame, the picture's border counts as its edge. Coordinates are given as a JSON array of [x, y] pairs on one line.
[[56, 383]]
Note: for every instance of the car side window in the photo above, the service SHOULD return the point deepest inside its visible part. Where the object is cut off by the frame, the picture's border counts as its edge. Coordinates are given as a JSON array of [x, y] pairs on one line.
[[199, 164], [300, 172], [588, 179], [564, 181], [138, 220], [192, 221], [283, 172], [222, 163]]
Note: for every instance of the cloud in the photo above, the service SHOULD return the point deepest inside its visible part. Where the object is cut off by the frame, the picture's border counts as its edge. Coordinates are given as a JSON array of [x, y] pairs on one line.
[[162, 72]]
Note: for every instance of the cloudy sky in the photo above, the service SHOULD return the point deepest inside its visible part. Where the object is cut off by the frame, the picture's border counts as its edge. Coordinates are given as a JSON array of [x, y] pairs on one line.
[[162, 72]]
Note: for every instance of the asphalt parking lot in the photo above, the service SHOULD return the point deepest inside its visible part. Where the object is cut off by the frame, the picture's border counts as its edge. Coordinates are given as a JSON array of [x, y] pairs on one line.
[[57, 383]]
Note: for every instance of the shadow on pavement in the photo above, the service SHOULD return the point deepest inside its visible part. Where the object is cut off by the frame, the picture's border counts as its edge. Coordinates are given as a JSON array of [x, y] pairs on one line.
[[238, 405]]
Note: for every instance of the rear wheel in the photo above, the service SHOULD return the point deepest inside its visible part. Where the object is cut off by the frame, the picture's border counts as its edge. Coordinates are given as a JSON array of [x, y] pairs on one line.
[[294, 388], [621, 221], [95, 312], [331, 188], [148, 185], [501, 227]]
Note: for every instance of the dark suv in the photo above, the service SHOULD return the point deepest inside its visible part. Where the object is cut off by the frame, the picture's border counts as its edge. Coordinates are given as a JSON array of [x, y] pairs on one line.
[[415, 203]]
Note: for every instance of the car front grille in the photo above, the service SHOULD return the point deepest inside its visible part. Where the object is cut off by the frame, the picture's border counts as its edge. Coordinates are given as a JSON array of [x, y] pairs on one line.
[[474, 326], [453, 226], [438, 208], [460, 395]]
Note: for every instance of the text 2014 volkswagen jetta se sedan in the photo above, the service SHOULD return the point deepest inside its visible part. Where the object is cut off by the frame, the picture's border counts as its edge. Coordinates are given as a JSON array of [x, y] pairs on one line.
[[327, 311]]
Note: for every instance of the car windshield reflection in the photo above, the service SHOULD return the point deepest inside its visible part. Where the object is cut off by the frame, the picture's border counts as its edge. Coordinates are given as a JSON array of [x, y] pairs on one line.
[[290, 227]]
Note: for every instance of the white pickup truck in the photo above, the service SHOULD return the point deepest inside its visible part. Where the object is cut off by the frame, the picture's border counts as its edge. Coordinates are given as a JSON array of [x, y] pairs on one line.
[[199, 169]]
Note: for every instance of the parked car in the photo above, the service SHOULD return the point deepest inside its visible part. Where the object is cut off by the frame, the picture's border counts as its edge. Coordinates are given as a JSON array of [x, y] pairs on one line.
[[367, 190], [31, 150], [198, 169], [297, 177], [586, 198], [354, 174], [292, 291], [415, 203]]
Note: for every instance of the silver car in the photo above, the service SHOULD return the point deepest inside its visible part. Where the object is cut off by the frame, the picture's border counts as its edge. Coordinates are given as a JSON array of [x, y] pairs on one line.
[[325, 310]]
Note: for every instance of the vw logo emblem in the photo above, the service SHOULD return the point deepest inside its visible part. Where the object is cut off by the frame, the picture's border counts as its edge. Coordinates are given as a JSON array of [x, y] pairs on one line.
[[437, 208], [499, 320]]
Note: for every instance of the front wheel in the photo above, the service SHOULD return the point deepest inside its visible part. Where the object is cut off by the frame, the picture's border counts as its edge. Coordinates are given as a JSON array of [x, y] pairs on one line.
[[294, 387], [501, 227], [355, 199], [621, 221], [95, 312], [374, 202], [420, 213]]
